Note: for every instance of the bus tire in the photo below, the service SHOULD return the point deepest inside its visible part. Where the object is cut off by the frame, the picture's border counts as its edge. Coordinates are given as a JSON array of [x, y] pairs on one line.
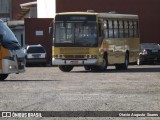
[[102, 67], [123, 66], [65, 68], [3, 76], [87, 67], [126, 62]]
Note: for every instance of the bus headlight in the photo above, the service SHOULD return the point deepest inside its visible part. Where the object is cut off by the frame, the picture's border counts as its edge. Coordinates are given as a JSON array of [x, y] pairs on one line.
[[11, 67], [91, 56], [94, 56], [58, 56]]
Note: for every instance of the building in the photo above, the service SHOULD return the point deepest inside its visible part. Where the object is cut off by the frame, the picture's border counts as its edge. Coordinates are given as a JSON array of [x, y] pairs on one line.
[[13, 14], [17, 12], [11, 9], [5, 9]]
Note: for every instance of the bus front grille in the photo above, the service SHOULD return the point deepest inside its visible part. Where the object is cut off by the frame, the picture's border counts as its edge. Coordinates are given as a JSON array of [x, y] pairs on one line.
[[74, 56], [74, 51]]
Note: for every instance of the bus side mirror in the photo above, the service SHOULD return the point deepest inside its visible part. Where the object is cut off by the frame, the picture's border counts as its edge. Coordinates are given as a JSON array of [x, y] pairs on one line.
[[1, 38]]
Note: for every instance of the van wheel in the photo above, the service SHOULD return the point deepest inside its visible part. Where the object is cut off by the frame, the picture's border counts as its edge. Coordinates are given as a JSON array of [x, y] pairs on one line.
[[3, 76], [65, 68]]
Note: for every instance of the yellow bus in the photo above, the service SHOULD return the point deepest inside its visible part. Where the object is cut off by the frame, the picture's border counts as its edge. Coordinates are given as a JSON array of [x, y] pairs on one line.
[[95, 40], [12, 57]]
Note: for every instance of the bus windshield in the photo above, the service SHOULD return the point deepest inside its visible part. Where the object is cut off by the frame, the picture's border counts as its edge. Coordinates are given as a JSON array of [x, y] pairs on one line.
[[76, 34], [9, 39]]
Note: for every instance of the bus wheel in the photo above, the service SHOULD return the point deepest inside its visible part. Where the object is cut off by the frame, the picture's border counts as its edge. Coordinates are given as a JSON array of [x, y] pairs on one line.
[[123, 66], [87, 67], [126, 62], [103, 67], [3, 76], [65, 68]]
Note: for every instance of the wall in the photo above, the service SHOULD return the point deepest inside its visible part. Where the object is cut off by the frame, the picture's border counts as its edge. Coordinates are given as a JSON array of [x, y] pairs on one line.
[[148, 11], [35, 26]]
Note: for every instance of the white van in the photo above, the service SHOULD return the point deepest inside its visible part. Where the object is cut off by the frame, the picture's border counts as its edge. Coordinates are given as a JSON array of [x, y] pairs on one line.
[[36, 54]]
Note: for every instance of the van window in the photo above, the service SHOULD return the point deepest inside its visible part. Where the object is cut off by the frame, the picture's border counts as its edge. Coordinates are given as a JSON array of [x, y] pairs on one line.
[[35, 50]]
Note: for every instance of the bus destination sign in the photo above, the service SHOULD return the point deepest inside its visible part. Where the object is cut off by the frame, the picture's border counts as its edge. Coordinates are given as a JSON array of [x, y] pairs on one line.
[[75, 18]]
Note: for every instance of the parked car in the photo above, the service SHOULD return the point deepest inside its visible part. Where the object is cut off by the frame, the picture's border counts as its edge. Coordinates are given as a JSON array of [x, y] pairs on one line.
[[150, 53], [36, 54]]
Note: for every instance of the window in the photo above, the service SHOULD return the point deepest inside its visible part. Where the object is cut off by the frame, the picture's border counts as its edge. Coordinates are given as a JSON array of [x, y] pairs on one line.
[[116, 29], [64, 32], [76, 34], [136, 34], [35, 50], [111, 29], [131, 29], [120, 28], [5, 6], [126, 30]]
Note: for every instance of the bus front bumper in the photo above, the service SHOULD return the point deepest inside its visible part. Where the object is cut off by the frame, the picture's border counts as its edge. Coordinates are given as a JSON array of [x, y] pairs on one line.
[[10, 66], [74, 62]]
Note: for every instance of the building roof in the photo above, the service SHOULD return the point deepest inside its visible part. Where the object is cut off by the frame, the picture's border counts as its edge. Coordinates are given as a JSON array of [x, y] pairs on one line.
[[25, 8], [29, 4]]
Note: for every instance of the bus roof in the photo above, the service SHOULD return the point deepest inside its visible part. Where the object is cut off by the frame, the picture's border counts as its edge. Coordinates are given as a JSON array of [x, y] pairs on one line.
[[117, 16], [103, 15]]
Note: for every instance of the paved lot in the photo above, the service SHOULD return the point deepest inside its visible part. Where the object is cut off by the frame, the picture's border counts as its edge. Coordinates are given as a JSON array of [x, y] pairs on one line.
[[49, 89]]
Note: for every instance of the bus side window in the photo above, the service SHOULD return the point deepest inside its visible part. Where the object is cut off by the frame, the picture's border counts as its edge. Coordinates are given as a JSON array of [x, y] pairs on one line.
[[107, 29], [121, 29], [116, 29], [126, 32], [136, 33], [131, 29], [137, 28], [110, 27]]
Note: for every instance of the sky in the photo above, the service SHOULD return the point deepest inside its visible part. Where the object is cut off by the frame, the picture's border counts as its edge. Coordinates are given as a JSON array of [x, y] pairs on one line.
[[46, 8]]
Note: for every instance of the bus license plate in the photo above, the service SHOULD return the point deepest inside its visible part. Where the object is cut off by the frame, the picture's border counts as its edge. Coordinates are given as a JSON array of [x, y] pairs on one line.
[[74, 62]]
